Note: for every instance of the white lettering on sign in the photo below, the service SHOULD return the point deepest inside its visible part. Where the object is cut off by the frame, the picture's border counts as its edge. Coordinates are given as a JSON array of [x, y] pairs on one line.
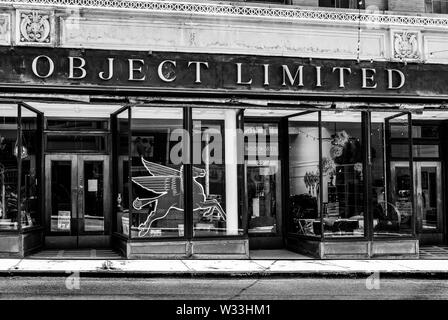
[[133, 69], [292, 80], [390, 76], [341, 75], [262, 75], [50, 67], [102, 74], [72, 67], [160, 71], [239, 75], [198, 69], [366, 78]]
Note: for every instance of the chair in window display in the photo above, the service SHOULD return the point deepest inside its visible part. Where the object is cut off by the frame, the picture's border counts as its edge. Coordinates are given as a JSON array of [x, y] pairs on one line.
[[387, 217], [303, 211]]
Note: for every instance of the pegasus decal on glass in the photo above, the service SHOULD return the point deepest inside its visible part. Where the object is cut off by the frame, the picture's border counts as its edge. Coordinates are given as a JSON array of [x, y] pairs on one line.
[[167, 184]]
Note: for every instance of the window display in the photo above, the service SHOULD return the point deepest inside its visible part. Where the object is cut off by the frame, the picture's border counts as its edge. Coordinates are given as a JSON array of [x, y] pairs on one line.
[[263, 177], [157, 145], [217, 148], [8, 168], [30, 164], [122, 172], [391, 198], [304, 177], [343, 195]]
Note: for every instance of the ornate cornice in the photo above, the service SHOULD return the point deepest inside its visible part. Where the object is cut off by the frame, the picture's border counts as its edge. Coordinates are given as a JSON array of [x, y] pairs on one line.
[[232, 9]]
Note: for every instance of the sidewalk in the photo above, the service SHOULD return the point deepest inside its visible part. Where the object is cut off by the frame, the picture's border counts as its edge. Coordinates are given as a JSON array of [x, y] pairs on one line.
[[219, 268]]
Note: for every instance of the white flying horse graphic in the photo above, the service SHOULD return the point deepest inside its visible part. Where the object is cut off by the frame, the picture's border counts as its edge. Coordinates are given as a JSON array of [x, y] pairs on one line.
[[167, 184]]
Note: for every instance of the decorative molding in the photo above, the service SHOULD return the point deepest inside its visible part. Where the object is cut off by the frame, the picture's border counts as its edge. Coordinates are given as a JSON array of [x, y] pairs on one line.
[[435, 46], [5, 29], [232, 9], [406, 45], [239, 38], [35, 27]]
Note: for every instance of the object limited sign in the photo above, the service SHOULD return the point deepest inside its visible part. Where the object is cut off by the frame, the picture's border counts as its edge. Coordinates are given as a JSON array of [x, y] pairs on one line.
[[165, 71]]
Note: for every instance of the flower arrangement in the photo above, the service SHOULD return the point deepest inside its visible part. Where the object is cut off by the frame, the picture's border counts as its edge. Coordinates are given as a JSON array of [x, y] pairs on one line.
[[328, 166]]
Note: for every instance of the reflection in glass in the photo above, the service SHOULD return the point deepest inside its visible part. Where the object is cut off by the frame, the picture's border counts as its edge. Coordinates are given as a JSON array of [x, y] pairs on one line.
[[304, 175], [396, 218], [263, 177], [122, 147], [157, 172], [61, 196], [215, 172], [429, 194], [29, 182], [391, 200], [93, 196], [425, 131], [418, 150], [343, 181], [76, 125], [76, 143], [8, 168]]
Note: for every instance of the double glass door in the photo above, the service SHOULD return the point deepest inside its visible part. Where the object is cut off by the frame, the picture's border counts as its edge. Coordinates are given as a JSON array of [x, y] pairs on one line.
[[429, 195], [427, 192], [77, 200]]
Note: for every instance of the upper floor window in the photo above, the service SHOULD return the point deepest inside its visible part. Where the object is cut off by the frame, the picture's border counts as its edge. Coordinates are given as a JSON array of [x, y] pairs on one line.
[[349, 4], [436, 6]]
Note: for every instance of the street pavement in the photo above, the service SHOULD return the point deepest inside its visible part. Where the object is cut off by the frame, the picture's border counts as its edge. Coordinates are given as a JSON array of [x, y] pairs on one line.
[[74, 287]]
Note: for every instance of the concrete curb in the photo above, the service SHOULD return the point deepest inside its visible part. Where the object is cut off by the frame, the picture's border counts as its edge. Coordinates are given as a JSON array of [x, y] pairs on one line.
[[225, 268], [293, 274]]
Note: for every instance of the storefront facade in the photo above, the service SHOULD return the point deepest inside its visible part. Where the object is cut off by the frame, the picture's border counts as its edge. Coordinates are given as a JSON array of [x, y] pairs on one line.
[[183, 153]]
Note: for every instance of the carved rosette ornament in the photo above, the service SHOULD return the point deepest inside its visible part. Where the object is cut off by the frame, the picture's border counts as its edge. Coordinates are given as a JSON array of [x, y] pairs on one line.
[[35, 27], [406, 45]]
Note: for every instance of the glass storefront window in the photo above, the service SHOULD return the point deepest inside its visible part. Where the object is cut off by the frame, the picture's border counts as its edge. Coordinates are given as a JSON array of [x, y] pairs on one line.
[[157, 145], [343, 195], [77, 125], [217, 152], [304, 177], [418, 150], [76, 143], [425, 131], [391, 193], [122, 172], [29, 190], [8, 168], [263, 177], [429, 195]]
